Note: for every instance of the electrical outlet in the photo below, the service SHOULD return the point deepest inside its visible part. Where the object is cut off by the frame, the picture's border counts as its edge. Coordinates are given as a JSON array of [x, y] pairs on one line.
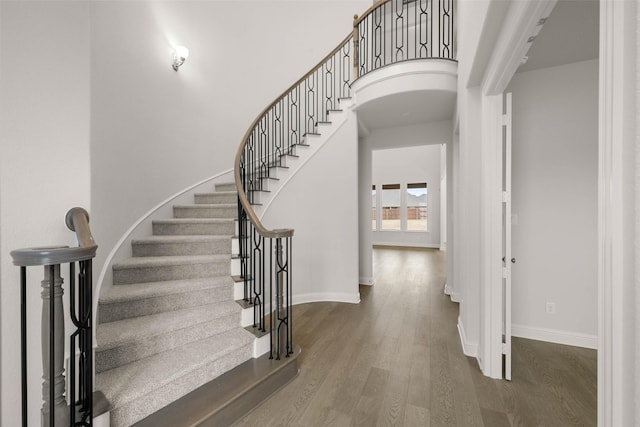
[[551, 307]]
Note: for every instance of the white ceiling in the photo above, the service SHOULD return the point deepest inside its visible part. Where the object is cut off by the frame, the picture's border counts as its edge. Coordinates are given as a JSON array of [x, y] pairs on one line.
[[408, 108], [569, 35]]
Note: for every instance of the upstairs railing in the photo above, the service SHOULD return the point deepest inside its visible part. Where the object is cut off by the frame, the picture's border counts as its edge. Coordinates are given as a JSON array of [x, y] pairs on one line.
[[61, 406], [389, 32]]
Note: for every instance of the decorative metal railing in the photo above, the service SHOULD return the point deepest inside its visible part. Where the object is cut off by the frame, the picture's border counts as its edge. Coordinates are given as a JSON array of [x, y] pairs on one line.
[[401, 30], [390, 31], [61, 406]]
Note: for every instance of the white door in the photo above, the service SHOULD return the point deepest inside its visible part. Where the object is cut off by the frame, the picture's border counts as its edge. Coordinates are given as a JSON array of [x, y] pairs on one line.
[[507, 260]]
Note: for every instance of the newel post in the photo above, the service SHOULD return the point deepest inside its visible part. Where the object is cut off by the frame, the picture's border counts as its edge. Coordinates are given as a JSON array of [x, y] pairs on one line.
[[53, 386]]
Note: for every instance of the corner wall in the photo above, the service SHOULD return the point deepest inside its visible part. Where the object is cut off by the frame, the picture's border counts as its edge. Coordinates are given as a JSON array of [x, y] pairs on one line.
[[555, 203], [321, 204], [44, 165]]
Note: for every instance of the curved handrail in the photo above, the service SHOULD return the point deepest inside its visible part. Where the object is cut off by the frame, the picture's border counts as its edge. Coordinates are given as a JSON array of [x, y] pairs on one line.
[[369, 44], [77, 219], [241, 193]]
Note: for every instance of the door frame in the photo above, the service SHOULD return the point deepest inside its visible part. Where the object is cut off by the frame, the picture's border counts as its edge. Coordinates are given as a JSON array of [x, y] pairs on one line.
[[618, 22]]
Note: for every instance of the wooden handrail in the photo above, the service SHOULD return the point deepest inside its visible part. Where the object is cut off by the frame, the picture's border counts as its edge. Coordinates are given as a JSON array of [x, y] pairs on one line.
[[241, 193], [77, 219], [357, 20], [354, 36]]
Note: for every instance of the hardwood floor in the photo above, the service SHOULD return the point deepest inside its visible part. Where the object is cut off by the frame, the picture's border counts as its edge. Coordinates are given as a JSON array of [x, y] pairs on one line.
[[395, 360]]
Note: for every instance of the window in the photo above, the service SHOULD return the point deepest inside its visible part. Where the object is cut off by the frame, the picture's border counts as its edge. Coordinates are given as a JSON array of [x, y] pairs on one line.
[[390, 204], [417, 206], [374, 216]]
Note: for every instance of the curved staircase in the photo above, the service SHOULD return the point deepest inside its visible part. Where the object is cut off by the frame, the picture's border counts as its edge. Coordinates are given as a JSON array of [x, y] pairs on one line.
[[170, 323]]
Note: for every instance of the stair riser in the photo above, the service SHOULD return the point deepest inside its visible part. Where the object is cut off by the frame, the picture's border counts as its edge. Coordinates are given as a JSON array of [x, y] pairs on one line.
[[134, 411], [123, 276], [213, 198], [226, 228], [201, 211], [143, 307], [214, 247], [119, 356], [231, 186]]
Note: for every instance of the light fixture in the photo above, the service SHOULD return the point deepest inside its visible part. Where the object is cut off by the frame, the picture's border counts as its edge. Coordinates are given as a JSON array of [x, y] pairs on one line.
[[180, 54]]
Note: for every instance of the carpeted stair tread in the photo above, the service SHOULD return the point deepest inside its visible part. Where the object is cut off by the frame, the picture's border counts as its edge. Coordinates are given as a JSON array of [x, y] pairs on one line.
[[217, 197], [140, 388], [157, 268], [155, 261], [226, 186], [181, 245], [142, 299], [220, 210], [135, 291], [194, 226], [117, 333], [180, 238], [192, 220]]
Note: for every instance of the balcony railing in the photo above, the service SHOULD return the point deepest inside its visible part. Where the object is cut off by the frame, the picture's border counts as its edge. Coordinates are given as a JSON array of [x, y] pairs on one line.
[[389, 32]]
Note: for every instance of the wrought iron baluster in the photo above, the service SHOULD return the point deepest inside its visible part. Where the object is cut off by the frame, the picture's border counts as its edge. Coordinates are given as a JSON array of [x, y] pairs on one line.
[[23, 342]]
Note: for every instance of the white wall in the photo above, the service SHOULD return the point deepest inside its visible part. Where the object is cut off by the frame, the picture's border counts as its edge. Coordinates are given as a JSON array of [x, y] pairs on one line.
[[44, 164], [555, 196], [467, 235], [321, 204], [365, 180], [155, 131], [408, 165], [443, 197]]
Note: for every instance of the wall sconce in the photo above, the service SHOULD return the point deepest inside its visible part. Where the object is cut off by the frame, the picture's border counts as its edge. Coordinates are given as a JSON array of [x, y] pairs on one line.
[[180, 54]]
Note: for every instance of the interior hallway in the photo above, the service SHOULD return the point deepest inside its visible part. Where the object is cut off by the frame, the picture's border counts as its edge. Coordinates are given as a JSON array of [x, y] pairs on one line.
[[395, 359]]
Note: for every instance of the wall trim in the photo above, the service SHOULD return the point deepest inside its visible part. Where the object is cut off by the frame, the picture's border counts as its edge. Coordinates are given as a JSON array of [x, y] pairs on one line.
[[448, 290], [468, 348], [617, 38], [326, 297], [555, 336], [455, 297], [367, 281], [408, 244]]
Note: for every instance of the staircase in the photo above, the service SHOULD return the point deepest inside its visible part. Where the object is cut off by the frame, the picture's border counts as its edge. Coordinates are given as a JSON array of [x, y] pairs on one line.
[[170, 323]]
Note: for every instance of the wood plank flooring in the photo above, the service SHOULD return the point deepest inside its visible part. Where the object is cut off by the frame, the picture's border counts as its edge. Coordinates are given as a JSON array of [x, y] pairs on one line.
[[395, 360]]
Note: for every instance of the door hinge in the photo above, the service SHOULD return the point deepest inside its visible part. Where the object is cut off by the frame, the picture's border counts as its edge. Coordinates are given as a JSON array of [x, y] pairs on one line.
[[505, 273], [504, 348], [506, 197]]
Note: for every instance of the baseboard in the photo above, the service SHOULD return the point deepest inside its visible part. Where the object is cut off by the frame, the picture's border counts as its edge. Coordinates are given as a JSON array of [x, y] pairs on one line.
[[368, 281], [326, 297], [469, 349], [455, 296], [555, 336], [408, 244], [447, 289]]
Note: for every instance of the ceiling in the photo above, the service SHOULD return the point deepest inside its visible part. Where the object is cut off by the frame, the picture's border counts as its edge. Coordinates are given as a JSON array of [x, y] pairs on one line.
[[408, 108], [569, 35]]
